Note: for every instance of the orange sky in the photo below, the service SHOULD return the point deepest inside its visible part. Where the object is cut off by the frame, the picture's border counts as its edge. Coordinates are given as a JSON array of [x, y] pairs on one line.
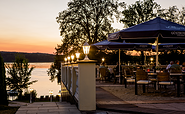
[[30, 26]]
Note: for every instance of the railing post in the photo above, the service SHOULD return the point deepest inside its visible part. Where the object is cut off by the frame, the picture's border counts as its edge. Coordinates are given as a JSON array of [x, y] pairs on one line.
[[68, 77], [86, 85], [73, 78]]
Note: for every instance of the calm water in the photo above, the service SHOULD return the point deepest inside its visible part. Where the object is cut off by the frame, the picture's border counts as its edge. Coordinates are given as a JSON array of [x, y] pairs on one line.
[[44, 84]]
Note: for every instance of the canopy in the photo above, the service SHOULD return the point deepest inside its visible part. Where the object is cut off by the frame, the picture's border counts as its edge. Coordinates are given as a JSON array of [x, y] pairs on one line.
[[159, 30], [170, 46], [124, 46], [147, 32]]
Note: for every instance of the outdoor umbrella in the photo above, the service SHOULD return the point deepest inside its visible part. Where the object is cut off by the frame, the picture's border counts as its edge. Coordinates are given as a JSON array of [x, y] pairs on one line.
[[170, 46], [124, 46], [159, 30]]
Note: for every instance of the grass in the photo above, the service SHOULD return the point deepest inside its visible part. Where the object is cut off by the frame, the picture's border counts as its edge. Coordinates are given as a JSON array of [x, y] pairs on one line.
[[8, 110]]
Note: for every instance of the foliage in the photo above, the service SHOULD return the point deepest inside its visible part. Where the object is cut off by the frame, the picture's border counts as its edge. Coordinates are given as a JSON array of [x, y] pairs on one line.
[[8, 109], [139, 12], [19, 74], [173, 14], [3, 94], [85, 20], [55, 69], [145, 10]]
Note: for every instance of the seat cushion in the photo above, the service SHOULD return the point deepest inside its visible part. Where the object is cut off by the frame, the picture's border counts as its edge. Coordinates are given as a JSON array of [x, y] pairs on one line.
[[143, 82], [130, 80], [153, 79], [165, 83]]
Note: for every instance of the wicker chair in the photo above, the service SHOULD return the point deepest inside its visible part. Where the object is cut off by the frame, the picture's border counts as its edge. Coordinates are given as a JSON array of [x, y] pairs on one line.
[[116, 76], [103, 73], [142, 79], [128, 76], [163, 78]]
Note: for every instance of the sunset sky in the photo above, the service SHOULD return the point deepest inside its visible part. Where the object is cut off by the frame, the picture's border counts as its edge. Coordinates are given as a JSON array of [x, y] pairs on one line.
[[30, 25]]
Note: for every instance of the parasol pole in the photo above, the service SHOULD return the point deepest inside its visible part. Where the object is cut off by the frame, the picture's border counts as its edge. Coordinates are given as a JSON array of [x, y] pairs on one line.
[[119, 62], [157, 52], [145, 58]]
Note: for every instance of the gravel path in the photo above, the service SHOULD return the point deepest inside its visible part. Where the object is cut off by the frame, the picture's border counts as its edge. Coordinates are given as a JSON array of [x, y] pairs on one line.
[[128, 94]]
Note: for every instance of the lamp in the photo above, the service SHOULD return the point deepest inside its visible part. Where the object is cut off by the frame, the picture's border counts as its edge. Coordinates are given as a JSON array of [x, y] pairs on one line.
[[72, 57], [86, 48], [59, 94], [65, 59], [151, 59], [103, 59], [31, 89], [68, 58], [77, 55], [50, 92]]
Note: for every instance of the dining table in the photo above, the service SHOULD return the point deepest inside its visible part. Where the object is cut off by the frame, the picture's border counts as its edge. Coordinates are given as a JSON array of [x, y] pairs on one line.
[[177, 75]]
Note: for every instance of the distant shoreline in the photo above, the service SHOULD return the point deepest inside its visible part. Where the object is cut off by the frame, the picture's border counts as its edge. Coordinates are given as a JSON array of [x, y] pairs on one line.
[[32, 57], [37, 64]]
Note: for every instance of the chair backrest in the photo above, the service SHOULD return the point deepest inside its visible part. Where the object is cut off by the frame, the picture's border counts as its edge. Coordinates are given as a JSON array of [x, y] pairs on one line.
[[173, 70], [102, 72], [141, 75], [128, 72], [163, 76]]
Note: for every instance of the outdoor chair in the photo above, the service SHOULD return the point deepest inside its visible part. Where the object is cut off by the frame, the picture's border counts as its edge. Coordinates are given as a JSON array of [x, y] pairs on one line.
[[173, 70], [128, 76], [116, 75], [142, 79], [103, 74], [163, 78]]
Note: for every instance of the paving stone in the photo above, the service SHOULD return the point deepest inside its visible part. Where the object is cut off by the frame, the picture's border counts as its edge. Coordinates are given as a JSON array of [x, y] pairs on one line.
[[52, 110], [21, 112]]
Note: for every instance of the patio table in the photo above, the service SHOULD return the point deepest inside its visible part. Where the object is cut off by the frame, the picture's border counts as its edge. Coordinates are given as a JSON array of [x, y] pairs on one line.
[[178, 81], [155, 76]]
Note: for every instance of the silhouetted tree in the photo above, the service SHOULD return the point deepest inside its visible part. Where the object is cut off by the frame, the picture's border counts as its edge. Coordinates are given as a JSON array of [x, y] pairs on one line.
[[173, 14], [139, 12], [19, 74], [86, 20], [3, 94]]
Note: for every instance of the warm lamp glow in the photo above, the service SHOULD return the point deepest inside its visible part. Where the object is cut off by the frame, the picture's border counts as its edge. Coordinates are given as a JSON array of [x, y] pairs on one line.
[[103, 59], [72, 57], [86, 48], [65, 59], [51, 92], [77, 56], [68, 58], [151, 59], [31, 89]]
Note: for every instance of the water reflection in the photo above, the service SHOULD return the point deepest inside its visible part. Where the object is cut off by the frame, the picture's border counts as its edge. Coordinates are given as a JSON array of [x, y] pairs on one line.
[[43, 85]]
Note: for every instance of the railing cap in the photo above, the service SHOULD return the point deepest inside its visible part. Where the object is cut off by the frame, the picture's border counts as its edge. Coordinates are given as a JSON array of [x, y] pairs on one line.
[[87, 61]]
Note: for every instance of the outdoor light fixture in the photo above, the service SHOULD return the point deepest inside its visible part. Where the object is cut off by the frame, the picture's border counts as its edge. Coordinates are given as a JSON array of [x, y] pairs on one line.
[[77, 56], [103, 59], [31, 95], [86, 48], [65, 59], [72, 57], [59, 94], [151, 59], [68, 58], [51, 93]]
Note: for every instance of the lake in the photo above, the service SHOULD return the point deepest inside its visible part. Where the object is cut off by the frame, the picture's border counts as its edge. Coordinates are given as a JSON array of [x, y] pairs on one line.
[[43, 85]]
